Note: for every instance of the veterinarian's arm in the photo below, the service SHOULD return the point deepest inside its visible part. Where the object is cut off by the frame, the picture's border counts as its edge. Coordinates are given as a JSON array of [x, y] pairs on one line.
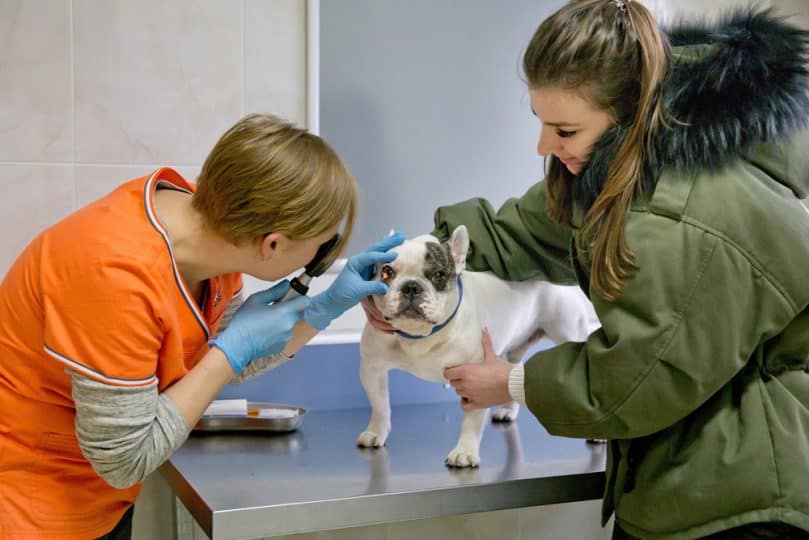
[[301, 335], [661, 351], [351, 285], [517, 242], [125, 432]]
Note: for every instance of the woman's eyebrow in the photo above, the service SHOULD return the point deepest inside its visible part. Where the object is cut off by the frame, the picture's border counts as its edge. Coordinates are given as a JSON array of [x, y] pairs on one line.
[[555, 124], [560, 124]]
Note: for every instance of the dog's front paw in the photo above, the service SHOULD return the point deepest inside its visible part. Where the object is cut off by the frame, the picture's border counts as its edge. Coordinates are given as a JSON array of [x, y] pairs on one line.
[[369, 439], [462, 457], [506, 413]]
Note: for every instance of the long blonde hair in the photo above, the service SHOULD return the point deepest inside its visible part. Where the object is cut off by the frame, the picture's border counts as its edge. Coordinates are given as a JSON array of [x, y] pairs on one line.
[[612, 54], [266, 175]]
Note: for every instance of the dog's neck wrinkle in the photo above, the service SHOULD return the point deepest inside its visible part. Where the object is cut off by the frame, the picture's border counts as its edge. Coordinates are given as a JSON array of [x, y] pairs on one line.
[[431, 344]]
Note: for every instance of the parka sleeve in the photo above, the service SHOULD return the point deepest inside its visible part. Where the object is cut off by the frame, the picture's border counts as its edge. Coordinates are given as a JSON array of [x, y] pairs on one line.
[[684, 326], [517, 242]]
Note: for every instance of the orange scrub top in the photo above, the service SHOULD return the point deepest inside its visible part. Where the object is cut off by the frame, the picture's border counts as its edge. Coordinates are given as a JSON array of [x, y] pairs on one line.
[[98, 293]]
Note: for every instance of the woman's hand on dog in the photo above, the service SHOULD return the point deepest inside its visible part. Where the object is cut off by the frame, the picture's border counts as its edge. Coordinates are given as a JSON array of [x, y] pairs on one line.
[[481, 385]]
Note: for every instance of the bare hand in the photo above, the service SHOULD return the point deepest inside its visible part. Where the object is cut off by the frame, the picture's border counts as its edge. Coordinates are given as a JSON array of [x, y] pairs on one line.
[[481, 385], [375, 316]]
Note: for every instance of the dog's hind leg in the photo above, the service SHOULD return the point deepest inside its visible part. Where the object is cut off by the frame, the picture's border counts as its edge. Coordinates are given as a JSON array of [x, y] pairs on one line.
[[507, 412]]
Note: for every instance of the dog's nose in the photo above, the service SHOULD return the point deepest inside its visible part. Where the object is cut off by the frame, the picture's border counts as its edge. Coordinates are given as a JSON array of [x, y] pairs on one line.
[[411, 288]]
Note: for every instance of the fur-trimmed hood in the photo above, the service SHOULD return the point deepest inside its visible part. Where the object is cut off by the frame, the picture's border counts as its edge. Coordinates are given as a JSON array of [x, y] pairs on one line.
[[734, 84]]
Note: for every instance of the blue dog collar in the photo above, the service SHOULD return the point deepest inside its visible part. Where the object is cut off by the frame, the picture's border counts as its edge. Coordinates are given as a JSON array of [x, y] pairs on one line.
[[443, 324]]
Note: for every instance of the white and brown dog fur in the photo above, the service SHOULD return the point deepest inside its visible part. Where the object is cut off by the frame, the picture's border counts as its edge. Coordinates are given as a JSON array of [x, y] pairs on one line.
[[438, 327]]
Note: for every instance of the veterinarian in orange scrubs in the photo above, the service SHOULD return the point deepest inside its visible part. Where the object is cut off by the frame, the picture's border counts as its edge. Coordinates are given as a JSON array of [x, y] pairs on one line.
[[105, 363], [676, 161]]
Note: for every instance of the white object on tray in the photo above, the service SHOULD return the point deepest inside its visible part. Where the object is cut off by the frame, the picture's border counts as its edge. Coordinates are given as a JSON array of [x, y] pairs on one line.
[[227, 407], [277, 413]]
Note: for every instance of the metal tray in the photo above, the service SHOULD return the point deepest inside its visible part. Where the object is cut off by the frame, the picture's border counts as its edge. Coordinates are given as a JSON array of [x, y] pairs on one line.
[[253, 423]]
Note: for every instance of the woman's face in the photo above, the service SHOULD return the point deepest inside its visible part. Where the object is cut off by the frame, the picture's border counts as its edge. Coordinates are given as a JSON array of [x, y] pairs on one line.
[[570, 125]]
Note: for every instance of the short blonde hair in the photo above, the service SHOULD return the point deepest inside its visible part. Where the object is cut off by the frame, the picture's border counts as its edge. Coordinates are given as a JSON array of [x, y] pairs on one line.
[[267, 175]]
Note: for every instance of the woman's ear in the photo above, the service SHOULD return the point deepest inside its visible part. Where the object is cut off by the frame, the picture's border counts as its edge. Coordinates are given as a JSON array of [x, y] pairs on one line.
[[271, 244]]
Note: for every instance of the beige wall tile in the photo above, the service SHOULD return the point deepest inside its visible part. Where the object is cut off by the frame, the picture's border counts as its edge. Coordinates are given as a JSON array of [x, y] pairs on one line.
[[37, 196], [156, 82], [95, 181], [35, 81], [275, 58]]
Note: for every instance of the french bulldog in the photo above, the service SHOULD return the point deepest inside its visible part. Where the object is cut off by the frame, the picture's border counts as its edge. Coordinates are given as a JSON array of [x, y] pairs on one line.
[[439, 311]]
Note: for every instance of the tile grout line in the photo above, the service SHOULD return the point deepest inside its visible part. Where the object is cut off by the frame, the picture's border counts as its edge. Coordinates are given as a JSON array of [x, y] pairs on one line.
[[78, 164], [244, 58], [73, 91]]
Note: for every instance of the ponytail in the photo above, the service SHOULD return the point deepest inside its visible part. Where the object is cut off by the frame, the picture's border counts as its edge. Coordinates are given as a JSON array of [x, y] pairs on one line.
[[613, 260], [613, 53]]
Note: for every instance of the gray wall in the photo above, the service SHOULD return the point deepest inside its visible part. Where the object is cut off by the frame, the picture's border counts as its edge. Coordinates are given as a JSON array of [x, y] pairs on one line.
[[424, 101]]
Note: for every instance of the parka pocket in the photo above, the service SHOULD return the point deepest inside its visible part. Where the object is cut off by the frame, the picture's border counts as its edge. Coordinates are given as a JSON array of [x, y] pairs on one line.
[[720, 456], [783, 365], [787, 351], [634, 456], [608, 504]]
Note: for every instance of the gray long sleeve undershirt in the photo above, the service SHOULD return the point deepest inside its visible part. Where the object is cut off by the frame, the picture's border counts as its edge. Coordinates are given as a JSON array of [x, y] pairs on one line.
[[126, 433]]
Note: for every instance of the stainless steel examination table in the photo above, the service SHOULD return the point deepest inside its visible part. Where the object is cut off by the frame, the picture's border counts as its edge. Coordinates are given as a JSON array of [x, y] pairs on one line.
[[254, 485]]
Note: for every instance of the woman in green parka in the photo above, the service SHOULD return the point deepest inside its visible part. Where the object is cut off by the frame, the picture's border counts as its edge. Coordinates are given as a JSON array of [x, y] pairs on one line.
[[676, 162]]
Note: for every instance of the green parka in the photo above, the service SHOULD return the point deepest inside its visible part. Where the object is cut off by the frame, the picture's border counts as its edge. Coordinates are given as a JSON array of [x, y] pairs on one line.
[[699, 375]]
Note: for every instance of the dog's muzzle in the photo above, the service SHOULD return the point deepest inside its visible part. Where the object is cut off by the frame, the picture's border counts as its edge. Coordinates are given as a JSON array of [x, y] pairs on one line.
[[411, 299]]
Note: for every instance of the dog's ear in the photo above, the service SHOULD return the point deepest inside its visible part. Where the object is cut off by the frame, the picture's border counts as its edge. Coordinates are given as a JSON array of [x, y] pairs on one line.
[[459, 246]]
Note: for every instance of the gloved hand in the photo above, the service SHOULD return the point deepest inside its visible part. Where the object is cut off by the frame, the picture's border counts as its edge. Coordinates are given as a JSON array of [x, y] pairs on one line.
[[258, 329], [352, 284]]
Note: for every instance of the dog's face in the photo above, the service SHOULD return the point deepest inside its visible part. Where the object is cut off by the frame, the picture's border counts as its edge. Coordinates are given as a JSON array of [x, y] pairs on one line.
[[423, 282]]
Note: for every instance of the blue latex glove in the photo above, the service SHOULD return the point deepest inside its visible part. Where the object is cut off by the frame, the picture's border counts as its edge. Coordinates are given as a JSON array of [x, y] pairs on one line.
[[258, 329], [353, 284]]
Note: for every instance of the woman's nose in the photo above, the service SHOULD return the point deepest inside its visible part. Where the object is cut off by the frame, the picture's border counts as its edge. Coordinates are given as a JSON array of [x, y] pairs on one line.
[[547, 143]]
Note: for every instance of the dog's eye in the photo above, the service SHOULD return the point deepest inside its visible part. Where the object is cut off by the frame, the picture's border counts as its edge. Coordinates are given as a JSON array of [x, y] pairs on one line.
[[387, 273], [438, 276]]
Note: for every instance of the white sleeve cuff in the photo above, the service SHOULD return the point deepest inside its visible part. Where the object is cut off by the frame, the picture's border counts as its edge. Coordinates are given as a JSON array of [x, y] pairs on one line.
[[516, 384]]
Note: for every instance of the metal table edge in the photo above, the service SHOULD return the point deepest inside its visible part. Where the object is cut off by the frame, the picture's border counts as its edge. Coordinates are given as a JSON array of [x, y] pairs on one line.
[[375, 509]]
